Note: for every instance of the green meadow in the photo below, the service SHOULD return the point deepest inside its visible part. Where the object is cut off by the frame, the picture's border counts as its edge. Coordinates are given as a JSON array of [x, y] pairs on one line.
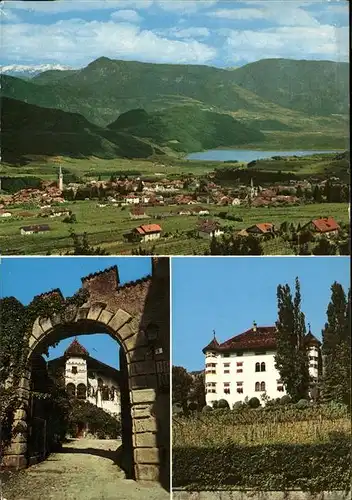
[[106, 227]]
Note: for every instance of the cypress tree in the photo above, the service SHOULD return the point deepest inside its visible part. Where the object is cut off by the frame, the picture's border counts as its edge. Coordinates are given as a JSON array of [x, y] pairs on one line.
[[336, 348], [291, 359]]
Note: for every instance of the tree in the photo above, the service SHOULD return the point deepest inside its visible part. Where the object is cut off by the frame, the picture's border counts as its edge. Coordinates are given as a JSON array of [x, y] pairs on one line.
[[336, 348], [181, 386], [291, 359], [324, 247], [81, 246], [317, 195], [198, 391]]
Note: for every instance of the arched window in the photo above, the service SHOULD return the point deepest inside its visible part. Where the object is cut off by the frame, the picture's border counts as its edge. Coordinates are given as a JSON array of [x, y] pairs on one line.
[[257, 367], [71, 390], [262, 386], [81, 391], [262, 367], [257, 386]]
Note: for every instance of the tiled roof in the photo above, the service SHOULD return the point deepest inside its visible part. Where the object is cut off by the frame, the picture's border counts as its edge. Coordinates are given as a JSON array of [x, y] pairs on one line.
[[208, 226], [325, 225], [264, 227], [311, 340], [254, 338], [76, 349], [36, 229], [148, 228], [259, 337]]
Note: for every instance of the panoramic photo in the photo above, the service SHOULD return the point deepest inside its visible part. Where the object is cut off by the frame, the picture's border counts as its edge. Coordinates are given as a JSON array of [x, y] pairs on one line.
[[262, 392], [158, 127]]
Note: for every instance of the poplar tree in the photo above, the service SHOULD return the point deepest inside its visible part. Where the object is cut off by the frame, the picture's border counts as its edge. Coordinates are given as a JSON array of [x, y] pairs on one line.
[[291, 359], [336, 348]]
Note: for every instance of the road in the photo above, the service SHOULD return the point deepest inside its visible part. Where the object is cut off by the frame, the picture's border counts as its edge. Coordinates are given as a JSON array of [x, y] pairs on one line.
[[85, 469]]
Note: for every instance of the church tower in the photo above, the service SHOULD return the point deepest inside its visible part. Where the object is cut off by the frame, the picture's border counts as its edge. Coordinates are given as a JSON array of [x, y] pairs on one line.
[[61, 180]]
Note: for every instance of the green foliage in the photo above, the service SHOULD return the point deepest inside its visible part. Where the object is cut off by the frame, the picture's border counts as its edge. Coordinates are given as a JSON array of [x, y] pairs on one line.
[[302, 403], [70, 219], [291, 359], [238, 405], [254, 403], [207, 409], [222, 403], [324, 247], [14, 184], [181, 386], [16, 322], [235, 245], [336, 348], [274, 467], [285, 400], [81, 246], [186, 128], [100, 423]]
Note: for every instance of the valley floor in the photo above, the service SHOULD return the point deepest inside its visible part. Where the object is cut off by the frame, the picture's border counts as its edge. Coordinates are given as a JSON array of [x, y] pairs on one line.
[[106, 226]]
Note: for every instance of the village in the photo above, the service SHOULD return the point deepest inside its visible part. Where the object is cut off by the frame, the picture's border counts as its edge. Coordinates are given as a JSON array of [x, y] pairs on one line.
[[203, 200]]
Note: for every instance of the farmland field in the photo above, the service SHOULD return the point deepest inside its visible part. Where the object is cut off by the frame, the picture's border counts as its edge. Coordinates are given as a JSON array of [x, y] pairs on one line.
[[292, 428], [106, 226]]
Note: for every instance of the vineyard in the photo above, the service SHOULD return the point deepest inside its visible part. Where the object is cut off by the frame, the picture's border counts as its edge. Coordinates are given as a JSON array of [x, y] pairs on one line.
[[251, 427]]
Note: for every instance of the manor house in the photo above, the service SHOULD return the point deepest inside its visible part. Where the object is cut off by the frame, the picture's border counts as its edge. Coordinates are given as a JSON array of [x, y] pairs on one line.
[[88, 379], [244, 366]]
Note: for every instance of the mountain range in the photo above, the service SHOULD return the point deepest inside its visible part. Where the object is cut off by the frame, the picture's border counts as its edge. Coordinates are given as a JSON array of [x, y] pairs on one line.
[[25, 71], [170, 108]]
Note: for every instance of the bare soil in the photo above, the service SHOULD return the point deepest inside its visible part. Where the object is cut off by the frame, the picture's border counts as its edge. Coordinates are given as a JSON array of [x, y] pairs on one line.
[[85, 469]]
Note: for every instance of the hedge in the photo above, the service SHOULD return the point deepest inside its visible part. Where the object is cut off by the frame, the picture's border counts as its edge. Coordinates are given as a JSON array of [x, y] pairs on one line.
[[317, 467]]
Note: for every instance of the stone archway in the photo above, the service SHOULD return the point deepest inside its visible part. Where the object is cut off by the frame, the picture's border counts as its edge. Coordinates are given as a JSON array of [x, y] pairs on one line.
[[124, 312]]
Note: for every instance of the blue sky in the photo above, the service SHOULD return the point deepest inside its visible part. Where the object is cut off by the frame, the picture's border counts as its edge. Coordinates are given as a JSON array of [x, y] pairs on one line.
[[24, 278], [218, 33], [228, 294]]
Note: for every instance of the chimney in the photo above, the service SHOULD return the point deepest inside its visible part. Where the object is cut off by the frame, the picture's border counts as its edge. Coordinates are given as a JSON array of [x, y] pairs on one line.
[[254, 328]]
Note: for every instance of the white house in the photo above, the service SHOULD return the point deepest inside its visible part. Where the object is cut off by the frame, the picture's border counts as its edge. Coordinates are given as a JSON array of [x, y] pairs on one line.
[[88, 379], [132, 199], [236, 202], [244, 366], [5, 213], [148, 232], [43, 228], [208, 229]]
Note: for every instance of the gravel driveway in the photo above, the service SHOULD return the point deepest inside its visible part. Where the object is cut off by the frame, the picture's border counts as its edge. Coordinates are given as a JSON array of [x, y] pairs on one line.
[[84, 470]]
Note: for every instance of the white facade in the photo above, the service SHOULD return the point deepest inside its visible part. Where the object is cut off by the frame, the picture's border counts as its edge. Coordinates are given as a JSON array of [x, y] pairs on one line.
[[93, 384], [209, 235], [151, 236], [236, 374]]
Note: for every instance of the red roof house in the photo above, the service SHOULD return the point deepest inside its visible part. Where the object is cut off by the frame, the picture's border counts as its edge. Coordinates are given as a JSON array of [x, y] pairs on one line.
[[323, 225]]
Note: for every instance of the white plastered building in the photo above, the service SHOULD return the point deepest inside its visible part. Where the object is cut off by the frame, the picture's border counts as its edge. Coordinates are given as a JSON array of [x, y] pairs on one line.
[[244, 366], [88, 379]]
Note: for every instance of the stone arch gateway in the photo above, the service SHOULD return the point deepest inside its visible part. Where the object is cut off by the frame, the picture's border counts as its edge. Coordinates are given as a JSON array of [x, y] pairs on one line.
[[125, 312]]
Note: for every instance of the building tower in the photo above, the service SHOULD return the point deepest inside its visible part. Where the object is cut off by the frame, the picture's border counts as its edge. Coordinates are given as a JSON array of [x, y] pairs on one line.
[[61, 180]]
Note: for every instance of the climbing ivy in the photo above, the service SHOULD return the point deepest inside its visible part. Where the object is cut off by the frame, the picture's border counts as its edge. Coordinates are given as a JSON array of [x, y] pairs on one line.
[[16, 322]]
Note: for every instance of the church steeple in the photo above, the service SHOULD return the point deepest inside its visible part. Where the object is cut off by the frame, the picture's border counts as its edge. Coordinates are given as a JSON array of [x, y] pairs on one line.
[[61, 179]]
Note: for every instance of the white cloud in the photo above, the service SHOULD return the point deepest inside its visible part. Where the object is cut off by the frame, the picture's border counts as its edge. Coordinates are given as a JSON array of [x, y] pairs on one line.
[[60, 6], [323, 42], [128, 15], [185, 6], [286, 14], [76, 42], [191, 32]]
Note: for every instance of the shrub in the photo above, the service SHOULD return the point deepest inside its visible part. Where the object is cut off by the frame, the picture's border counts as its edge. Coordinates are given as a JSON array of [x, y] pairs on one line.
[[215, 404], [238, 405], [285, 400], [254, 403], [222, 403], [302, 403], [272, 467], [207, 409], [192, 406]]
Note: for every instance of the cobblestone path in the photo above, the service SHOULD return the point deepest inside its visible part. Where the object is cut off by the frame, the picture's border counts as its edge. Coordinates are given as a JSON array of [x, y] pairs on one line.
[[84, 470]]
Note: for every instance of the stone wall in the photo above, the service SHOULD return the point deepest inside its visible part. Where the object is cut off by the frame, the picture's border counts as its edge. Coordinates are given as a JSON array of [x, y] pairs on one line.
[[259, 495]]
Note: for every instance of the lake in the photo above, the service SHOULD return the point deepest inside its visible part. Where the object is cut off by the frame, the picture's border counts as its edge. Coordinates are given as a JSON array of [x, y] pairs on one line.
[[246, 155]]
